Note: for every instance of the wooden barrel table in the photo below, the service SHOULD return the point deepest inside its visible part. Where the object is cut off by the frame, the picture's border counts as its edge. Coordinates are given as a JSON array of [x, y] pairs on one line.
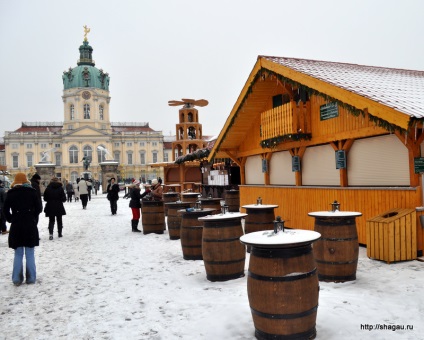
[[223, 254], [336, 253], [213, 203], [259, 217], [232, 199], [174, 218], [153, 217], [191, 233], [190, 197], [282, 284], [170, 196]]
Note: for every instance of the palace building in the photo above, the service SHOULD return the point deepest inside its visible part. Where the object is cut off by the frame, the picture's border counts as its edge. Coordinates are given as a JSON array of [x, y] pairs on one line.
[[86, 131]]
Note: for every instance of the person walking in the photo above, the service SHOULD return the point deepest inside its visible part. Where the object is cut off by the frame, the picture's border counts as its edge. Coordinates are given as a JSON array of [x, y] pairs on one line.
[[76, 191], [54, 196], [69, 191], [2, 217], [35, 183], [21, 208], [89, 188], [135, 205], [83, 192], [113, 195]]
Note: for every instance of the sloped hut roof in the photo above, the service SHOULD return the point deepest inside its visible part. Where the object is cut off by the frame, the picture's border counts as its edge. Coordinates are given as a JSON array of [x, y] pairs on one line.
[[393, 98]]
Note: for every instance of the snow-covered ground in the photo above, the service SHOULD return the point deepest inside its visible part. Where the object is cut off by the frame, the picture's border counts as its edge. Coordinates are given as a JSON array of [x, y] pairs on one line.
[[102, 281]]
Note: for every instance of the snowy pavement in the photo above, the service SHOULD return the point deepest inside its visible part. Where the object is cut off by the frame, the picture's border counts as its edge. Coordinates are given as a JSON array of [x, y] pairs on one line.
[[102, 281]]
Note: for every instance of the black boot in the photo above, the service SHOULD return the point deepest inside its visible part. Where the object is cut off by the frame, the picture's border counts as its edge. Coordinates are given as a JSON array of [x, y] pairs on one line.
[[59, 231], [134, 224]]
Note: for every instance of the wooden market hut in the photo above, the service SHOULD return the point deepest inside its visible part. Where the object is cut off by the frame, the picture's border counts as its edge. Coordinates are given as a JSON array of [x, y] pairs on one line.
[[306, 133]]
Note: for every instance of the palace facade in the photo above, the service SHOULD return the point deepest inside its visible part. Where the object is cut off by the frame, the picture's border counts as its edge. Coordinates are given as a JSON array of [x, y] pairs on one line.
[[86, 131]]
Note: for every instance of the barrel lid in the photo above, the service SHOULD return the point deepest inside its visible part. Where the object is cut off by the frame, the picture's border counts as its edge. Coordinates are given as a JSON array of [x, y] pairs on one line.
[[226, 216], [197, 211], [334, 213], [288, 238], [212, 199], [260, 206], [191, 193], [178, 203]]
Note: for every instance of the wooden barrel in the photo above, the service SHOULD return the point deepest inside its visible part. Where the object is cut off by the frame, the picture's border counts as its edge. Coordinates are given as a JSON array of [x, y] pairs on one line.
[[336, 253], [283, 287], [170, 197], [212, 203], [191, 233], [259, 219], [153, 217], [232, 199], [190, 197], [223, 254], [174, 218]]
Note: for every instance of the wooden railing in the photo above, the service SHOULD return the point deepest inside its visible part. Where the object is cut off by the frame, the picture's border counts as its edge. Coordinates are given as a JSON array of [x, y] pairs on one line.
[[277, 121]]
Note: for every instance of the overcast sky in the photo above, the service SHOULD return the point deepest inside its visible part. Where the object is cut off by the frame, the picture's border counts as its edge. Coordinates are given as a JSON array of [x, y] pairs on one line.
[[155, 51]]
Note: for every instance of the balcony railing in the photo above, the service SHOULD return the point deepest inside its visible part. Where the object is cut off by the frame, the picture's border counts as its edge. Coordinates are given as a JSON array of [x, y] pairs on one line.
[[282, 124]]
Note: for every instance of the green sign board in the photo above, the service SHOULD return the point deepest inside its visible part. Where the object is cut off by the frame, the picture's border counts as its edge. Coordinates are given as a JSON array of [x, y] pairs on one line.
[[328, 111], [419, 165], [295, 163], [340, 159]]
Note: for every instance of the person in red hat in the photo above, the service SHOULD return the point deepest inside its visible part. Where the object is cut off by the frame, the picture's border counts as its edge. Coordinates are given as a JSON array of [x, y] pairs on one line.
[[21, 208]]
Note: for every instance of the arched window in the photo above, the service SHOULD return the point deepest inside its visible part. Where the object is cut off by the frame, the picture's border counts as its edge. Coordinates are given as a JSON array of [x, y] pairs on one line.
[[86, 111], [73, 154], [101, 116], [72, 112], [101, 154], [88, 152]]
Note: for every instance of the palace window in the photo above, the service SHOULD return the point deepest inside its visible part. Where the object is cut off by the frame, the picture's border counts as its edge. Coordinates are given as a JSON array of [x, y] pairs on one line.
[[142, 158], [142, 144], [129, 144], [155, 156], [74, 176], [130, 159], [15, 146], [116, 144], [58, 159], [43, 145], [101, 117], [86, 111], [72, 112], [154, 143], [15, 161], [101, 154], [116, 156], [29, 158], [29, 146], [88, 152], [73, 154], [57, 145], [165, 157]]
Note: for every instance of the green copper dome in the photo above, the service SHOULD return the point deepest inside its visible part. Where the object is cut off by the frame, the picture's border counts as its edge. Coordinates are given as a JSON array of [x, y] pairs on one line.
[[85, 74]]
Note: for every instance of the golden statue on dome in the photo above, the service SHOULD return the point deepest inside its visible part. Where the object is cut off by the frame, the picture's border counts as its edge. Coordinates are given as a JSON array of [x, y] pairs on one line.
[[86, 31]]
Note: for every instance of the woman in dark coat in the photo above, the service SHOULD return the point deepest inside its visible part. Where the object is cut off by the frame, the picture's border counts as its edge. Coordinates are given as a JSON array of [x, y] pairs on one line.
[[21, 209], [135, 205], [113, 195], [54, 195]]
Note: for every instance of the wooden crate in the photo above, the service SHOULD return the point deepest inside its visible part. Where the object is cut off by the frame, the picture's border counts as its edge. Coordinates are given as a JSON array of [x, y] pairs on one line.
[[392, 235]]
